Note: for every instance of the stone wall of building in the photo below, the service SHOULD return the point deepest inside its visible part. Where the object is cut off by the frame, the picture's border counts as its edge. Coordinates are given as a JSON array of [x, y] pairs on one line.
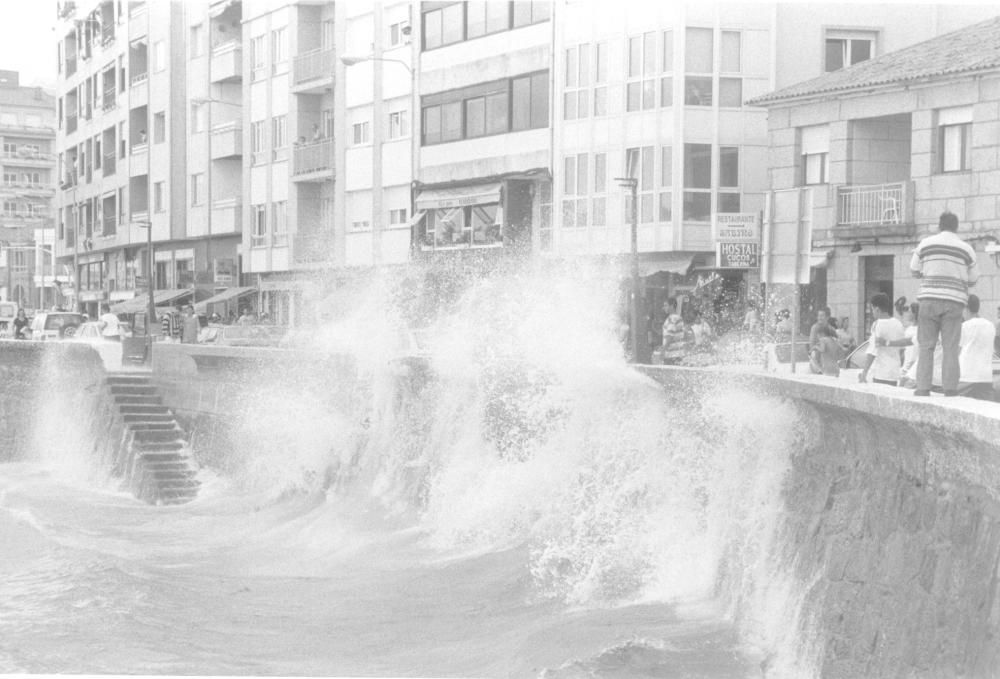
[[892, 526]]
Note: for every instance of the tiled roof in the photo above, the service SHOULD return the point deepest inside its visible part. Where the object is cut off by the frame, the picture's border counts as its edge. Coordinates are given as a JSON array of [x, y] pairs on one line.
[[968, 50]]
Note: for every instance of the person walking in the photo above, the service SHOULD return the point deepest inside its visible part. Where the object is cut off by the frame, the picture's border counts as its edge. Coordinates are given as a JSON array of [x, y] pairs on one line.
[[108, 323], [946, 266], [975, 357], [882, 358], [190, 326]]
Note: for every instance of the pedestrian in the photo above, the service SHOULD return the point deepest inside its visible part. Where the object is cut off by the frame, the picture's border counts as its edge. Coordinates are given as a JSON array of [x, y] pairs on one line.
[[975, 357], [317, 134], [783, 322], [245, 318], [882, 358], [167, 325], [844, 337], [189, 326], [109, 325], [701, 331], [946, 266], [21, 325]]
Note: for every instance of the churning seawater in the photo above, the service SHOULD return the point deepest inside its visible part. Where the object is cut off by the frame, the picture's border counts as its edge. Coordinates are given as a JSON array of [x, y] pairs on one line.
[[526, 507]]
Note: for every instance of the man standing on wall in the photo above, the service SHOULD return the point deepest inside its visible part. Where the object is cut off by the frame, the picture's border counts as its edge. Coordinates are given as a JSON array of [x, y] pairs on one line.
[[946, 266]]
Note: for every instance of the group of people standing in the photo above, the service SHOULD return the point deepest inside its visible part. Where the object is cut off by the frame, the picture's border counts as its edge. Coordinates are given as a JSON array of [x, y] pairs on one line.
[[943, 328]]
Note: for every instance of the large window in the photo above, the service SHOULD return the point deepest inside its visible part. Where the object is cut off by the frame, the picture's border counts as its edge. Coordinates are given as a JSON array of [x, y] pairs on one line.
[[279, 51], [258, 142], [666, 184], [446, 23], [575, 175], [361, 133], [258, 234], [730, 86], [198, 188], [473, 225], [697, 182], [258, 56], [399, 124], [279, 137], [640, 89], [698, 57], [639, 163], [954, 139], [279, 223], [586, 66], [846, 48], [489, 108], [729, 179], [815, 147], [158, 202]]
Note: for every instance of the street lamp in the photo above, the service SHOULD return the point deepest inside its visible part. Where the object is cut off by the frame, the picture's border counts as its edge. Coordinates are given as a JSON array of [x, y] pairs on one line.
[[351, 60], [150, 304], [640, 349]]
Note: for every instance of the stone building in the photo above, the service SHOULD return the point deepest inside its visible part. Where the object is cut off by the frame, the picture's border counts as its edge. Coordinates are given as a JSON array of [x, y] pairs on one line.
[[881, 149]]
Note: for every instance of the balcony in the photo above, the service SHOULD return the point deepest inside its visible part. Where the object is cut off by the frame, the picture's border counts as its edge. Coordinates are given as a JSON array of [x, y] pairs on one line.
[[313, 72], [227, 62], [227, 140], [26, 158], [313, 161], [874, 210], [312, 247], [226, 215]]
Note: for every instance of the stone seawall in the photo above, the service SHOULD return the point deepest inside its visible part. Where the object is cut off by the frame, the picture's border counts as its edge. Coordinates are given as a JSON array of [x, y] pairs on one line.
[[892, 521]]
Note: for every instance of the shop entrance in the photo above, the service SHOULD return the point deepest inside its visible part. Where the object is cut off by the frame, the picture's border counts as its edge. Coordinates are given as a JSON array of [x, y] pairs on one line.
[[877, 271]]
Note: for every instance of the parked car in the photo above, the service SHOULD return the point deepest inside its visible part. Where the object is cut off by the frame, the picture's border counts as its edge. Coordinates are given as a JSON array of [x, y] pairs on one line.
[[49, 325], [778, 355], [856, 359]]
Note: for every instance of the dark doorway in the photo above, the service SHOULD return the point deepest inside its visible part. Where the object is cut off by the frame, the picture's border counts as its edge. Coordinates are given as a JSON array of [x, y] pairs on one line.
[[877, 278]]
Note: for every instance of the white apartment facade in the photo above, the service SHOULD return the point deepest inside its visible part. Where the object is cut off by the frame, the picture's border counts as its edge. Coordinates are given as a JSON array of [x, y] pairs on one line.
[[27, 132], [135, 84]]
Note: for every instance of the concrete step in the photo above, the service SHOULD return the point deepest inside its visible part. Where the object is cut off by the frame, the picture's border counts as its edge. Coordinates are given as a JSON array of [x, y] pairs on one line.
[[137, 389], [170, 475], [143, 408], [152, 426], [138, 399], [155, 457], [141, 418], [179, 485], [167, 465], [151, 435], [128, 378], [157, 446]]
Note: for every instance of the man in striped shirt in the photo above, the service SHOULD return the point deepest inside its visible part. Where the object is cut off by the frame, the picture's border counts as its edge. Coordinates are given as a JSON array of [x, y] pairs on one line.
[[946, 266]]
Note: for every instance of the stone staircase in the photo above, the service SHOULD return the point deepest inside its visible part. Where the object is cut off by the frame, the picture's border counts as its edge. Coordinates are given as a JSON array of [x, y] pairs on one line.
[[153, 457]]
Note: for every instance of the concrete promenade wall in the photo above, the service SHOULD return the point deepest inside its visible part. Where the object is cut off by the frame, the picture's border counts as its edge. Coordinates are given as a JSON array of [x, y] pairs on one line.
[[894, 517]]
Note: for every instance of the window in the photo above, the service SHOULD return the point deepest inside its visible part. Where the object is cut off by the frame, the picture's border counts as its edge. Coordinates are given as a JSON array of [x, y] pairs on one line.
[[486, 17], [600, 79], [326, 123], [666, 182], [667, 81], [257, 57], [10, 178], [258, 142], [159, 127], [279, 137], [574, 207], [639, 164], [475, 225], [361, 225], [159, 56], [122, 142], [530, 102], [279, 51], [396, 33], [197, 41], [526, 13], [399, 124], [279, 223], [697, 182], [158, 197], [640, 89], [815, 147], [598, 206], [730, 52], [198, 117], [444, 26], [486, 115], [198, 188], [361, 132], [577, 82], [731, 92], [846, 48], [258, 233], [397, 217], [954, 139], [698, 59], [729, 179]]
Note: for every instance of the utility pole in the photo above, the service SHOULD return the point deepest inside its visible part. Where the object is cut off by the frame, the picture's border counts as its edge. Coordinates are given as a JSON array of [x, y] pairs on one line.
[[640, 345]]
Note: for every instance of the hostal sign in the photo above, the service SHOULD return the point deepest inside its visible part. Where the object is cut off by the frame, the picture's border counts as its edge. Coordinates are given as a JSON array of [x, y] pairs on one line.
[[738, 255], [737, 241]]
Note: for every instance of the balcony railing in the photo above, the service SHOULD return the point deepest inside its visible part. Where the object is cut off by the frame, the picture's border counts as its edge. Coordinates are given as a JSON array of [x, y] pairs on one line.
[[316, 156], [313, 65], [140, 78], [871, 205]]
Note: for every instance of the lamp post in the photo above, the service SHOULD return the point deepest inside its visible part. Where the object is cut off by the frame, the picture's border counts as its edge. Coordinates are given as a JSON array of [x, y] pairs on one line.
[[640, 347], [150, 305]]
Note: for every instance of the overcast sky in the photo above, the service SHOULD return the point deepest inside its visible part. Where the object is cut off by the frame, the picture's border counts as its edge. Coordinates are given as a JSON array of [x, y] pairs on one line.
[[27, 41]]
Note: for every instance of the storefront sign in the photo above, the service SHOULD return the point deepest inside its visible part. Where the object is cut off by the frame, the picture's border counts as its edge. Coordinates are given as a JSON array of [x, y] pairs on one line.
[[737, 227], [738, 255], [224, 271]]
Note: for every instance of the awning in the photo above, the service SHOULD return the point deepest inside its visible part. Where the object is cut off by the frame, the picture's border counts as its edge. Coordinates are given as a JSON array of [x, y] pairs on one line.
[[669, 262], [160, 297], [458, 196], [227, 295]]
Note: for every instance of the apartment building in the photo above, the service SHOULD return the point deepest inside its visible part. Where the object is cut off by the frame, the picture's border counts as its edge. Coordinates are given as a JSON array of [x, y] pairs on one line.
[[877, 152], [145, 93], [658, 93], [27, 132], [483, 170]]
